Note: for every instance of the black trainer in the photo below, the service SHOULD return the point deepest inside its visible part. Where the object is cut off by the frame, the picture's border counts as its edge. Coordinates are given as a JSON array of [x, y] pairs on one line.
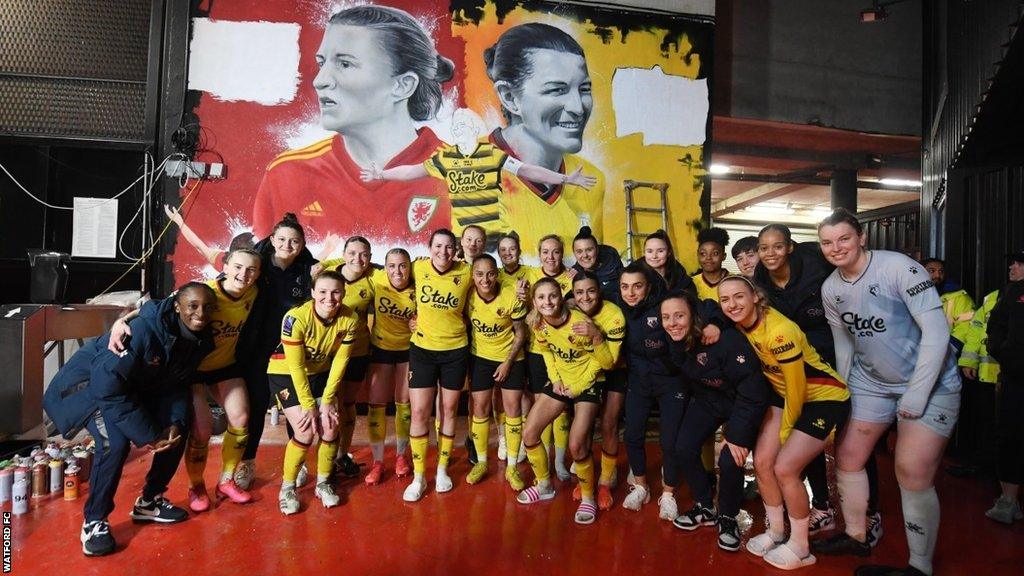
[[96, 538], [158, 510], [878, 570], [346, 466], [874, 534], [728, 533], [471, 451], [840, 544], [698, 516]]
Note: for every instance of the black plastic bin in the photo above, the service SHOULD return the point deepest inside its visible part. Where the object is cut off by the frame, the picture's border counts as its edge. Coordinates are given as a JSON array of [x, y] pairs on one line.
[[49, 272]]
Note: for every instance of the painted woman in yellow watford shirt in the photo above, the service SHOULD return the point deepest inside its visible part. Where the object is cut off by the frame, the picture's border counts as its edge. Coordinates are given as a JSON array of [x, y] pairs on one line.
[[811, 402], [496, 320], [316, 344], [439, 353], [473, 175], [575, 353]]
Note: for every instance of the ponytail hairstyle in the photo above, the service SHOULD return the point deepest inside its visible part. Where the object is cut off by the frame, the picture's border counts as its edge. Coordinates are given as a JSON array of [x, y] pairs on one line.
[[510, 59], [409, 49]]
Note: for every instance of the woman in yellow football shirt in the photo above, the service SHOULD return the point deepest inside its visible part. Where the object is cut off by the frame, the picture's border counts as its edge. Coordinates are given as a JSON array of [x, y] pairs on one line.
[[575, 353], [439, 353], [711, 244], [498, 330], [355, 268], [811, 403], [394, 303], [220, 376], [316, 342], [550, 251]]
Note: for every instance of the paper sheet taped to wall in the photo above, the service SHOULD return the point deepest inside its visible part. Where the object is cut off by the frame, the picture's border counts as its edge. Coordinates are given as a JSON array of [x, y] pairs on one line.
[[664, 108], [94, 228]]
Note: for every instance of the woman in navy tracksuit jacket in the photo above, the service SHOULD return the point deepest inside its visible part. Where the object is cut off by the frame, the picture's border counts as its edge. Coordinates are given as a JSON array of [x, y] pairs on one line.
[[140, 397], [727, 387]]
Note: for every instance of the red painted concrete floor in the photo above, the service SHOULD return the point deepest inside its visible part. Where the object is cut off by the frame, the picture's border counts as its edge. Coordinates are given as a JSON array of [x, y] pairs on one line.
[[471, 530]]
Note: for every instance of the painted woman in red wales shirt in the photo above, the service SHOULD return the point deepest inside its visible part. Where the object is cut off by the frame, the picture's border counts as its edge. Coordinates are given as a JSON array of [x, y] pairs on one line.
[[379, 74]]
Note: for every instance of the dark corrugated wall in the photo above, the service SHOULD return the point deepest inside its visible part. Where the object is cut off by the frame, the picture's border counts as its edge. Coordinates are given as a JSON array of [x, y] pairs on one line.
[[971, 194]]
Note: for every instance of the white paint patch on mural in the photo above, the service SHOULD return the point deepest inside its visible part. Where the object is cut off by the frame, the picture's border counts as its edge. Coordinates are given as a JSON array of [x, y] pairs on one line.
[[665, 108], [229, 65]]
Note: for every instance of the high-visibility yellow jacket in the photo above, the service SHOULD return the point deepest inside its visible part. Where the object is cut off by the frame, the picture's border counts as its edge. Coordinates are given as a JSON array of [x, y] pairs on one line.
[[975, 353], [959, 309]]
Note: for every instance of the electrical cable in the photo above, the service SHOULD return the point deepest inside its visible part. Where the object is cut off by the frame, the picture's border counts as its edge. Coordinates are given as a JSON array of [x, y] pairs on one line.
[[152, 247]]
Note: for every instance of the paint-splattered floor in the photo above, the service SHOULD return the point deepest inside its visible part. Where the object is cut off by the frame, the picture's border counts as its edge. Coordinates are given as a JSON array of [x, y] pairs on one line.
[[473, 529]]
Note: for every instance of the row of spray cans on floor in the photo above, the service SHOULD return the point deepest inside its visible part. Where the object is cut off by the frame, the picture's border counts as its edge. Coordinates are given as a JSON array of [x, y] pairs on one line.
[[45, 472]]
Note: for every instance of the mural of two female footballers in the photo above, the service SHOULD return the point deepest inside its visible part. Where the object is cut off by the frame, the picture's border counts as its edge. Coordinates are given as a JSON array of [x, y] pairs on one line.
[[389, 120]]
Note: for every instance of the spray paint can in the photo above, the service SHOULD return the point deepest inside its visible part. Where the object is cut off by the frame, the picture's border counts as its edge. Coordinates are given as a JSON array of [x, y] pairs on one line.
[[40, 479], [20, 473], [56, 476], [71, 482], [20, 497], [6, 484], [275, 415]]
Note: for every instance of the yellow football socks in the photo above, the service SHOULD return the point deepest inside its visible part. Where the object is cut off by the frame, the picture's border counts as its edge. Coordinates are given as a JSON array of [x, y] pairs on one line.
[[585, 475], [376, 424], [231, 451], [419, 454], [195, 460], [294, 455], [539, 461], [325, 459]]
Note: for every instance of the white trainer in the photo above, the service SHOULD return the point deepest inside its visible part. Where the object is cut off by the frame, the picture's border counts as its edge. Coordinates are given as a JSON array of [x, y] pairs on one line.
[[667, 507], [325, 492], [637, 497]]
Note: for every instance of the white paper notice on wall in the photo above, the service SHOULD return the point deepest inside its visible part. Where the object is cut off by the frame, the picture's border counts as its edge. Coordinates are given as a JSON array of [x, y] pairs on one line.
[[664, 108], [245, 61], [94, 228]]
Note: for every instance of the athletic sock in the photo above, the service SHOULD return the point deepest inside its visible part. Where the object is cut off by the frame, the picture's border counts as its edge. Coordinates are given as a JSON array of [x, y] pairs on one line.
[[195, 460], [546, 437], [294, 455], [539, 461], [479, 431], [921, 523], [585, 475], [853, 501], [608, 463], [776, 521], [231, 451], [403, 418], [499, 422], [325, 459], [419, 453], [346, 428], [376, 425], [707, 454], [560, 432], [798, 536], [513, 437], [444, 450]]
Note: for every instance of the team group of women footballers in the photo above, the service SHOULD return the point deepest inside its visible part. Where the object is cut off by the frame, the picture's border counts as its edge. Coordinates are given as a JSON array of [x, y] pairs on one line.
[[809, 343]]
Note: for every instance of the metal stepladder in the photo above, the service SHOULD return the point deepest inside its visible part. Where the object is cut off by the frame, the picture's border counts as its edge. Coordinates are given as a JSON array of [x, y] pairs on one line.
[[632, 234]]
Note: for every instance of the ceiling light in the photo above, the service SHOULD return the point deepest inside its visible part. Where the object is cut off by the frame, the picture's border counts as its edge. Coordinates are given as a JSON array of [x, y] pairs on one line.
[[719, 169], [900, 183]]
